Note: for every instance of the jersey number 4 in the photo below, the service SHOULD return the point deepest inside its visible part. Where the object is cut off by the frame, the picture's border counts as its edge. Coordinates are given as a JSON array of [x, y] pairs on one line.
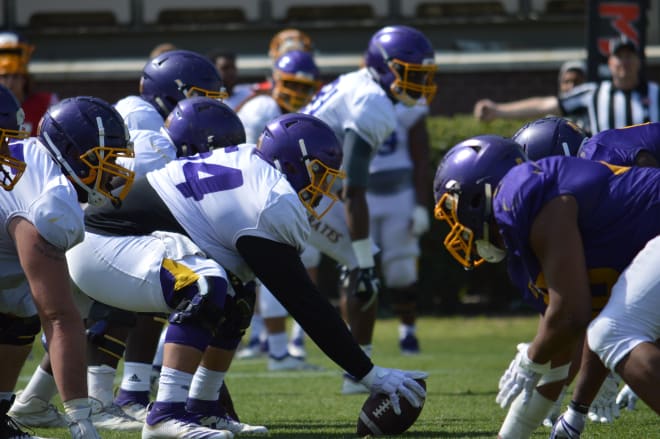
[[206, 178]]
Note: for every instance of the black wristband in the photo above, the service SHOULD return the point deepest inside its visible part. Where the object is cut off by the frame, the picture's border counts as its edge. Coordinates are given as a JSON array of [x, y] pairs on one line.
[[580, 408]]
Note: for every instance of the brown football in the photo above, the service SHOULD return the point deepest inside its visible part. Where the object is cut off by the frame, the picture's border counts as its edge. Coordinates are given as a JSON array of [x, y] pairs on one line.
[[377, 417]]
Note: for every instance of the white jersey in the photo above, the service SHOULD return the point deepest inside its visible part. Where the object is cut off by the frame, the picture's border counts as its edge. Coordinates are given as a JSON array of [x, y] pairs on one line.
[[44, 197], [355, 101], [238, 95], [255, 115], [394, 153], [220, 196], [153, 150], [139, 114]]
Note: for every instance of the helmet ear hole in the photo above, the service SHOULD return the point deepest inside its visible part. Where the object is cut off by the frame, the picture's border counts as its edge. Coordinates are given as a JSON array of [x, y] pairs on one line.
[[477, 200]]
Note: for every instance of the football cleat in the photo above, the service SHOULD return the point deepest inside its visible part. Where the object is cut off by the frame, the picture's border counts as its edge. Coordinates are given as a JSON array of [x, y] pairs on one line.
[[288, 363], [227, 423], [254, 349], [112, 417], [409, 345], [133, 403], [9, 428], [35, 412], [170, 420], [296, 347], [351, 386]]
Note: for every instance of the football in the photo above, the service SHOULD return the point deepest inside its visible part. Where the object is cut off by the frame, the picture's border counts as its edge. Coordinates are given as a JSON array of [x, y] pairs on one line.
[[377, 417]]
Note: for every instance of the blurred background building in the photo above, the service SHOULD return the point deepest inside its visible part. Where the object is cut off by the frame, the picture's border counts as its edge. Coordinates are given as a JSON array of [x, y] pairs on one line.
[[505, 49]]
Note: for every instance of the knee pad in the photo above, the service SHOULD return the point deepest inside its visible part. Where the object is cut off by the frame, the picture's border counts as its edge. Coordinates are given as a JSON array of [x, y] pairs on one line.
[[18, 331], [400, 272], [202, 303], [105, 317]]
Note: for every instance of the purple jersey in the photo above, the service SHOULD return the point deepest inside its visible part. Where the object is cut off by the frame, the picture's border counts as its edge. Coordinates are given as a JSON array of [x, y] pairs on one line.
[[618, 214], [620, 146]]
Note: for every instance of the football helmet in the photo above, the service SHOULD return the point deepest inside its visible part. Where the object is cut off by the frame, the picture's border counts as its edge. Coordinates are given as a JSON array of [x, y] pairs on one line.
[[11, 127], [550, 136], [289, 39], [401, 59], [179, 74], [463, 187], [200, 124], [295, 80], [85, 135], [307, 151], [15, 54]]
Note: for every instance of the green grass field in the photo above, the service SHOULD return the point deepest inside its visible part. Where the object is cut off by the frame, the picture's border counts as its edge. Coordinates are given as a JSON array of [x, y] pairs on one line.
[[463, 356]]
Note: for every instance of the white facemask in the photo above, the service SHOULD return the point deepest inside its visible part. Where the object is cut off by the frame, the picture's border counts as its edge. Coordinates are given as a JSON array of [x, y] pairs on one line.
[[490, 252]]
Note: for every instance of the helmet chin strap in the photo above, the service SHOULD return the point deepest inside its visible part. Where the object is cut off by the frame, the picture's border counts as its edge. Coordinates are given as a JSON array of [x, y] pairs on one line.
[[94, 197], [486, 249]]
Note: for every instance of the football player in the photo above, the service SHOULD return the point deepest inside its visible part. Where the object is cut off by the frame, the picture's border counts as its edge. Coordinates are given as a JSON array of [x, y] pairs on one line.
[[165, 80], [359, 107], [195, 125], [196, 269], [555, 219], [67, 164], [295, 80], [397, 197]]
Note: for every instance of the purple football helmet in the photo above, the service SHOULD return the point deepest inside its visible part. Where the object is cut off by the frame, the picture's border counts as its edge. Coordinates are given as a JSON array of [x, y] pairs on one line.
[[176, 75], [402, 60], [463, 187], [85, 135], [200, 124], [296, 80], [307, 151], [550, 136], [11, 127]]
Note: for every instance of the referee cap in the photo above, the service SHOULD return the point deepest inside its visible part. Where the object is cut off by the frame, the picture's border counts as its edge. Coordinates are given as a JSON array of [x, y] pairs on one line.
[[621, 42]]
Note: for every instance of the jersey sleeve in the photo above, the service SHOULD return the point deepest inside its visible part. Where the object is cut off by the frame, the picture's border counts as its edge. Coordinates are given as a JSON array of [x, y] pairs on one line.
[[58, 218], [284, 220], [372, 116], [139, 114], [256, 114]]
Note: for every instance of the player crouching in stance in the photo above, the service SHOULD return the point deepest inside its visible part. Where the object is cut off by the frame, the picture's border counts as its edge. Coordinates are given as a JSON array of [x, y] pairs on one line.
[[65, 166], [190, 236], [555, 220]]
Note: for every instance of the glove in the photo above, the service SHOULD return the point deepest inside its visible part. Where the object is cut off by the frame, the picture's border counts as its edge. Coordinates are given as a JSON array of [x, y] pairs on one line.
[[604, 408], [366, 287], [521, 376], [78, 414], [395, 382], [420, 221], [83, 429], [627, 398], [562, 429]]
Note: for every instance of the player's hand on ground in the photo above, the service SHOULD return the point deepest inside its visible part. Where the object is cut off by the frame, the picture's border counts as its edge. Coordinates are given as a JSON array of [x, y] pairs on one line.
[[627, 398], [395, 383], [521, 377], [604, 408], [562, 429]]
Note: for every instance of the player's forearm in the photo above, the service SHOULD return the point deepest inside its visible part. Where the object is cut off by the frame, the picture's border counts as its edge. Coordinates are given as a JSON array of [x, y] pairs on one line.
[[527, 108]]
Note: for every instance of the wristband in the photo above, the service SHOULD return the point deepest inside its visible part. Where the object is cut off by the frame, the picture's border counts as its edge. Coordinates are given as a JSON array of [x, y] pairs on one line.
[[362, 250], [580, 408]]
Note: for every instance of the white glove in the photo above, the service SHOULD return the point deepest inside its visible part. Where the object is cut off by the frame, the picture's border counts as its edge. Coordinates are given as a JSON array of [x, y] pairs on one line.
[[420, 220], [78, 414], [627, 398], [563, 429], [521, 376], [604, 408], [395, 382]]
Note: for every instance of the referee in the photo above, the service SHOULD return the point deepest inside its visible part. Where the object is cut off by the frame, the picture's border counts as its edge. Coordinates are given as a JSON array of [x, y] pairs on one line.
[[622, 100]]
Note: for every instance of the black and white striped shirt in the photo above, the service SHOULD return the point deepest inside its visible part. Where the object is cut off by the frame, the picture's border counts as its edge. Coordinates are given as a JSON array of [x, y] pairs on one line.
[[608, 107]]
